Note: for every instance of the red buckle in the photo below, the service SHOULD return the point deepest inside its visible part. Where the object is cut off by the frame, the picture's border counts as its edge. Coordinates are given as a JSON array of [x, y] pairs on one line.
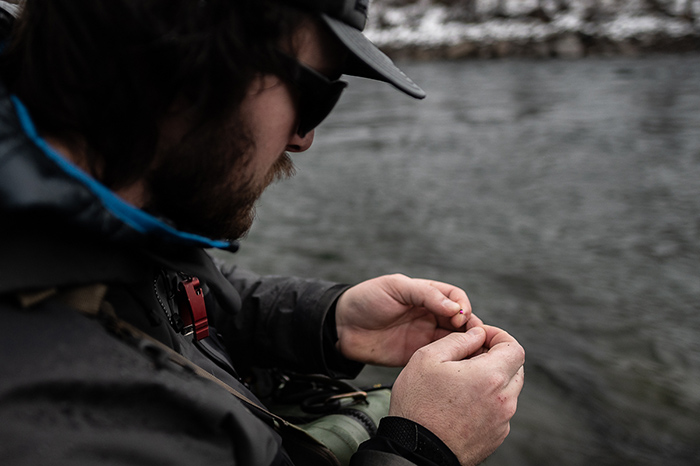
[[193, 312]]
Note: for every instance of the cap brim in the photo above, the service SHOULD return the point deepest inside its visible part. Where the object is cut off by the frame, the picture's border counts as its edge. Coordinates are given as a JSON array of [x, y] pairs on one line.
[[370, 62]]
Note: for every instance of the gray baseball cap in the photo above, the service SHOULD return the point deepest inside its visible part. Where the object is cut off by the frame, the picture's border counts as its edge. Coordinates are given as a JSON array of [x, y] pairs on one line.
[[347, 19]]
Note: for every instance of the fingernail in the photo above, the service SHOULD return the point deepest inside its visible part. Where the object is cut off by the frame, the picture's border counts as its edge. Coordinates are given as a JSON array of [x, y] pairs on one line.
[[475, 331], [452, 305]]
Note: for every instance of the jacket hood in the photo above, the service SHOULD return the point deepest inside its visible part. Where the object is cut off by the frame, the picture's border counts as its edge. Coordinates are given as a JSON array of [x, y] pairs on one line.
[[38, 185]]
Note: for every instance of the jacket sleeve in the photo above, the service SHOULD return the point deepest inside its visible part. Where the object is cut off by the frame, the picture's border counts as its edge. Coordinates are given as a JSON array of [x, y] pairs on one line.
[[285, 322], [401, 442]]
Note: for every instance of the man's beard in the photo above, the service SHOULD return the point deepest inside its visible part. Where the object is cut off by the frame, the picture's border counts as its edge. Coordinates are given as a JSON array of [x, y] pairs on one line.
[[202, 183]]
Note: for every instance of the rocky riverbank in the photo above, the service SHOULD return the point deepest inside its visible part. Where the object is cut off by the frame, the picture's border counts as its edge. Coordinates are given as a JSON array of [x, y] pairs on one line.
[[533, 28]]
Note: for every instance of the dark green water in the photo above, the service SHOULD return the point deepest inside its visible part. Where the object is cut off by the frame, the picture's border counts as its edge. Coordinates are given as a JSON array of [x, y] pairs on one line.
[[564, 196]]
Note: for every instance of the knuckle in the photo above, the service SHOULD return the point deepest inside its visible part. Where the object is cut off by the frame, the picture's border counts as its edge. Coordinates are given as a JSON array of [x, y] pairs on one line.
[[505, 432], [510, 409], [497, 380], [422, 354], [520, 353]]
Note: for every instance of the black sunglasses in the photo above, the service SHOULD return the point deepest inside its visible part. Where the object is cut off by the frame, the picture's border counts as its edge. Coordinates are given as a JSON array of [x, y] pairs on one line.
[[317, 95]]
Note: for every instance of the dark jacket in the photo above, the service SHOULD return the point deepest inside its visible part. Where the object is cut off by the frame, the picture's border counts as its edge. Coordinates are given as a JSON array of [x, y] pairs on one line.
[[80, 394], [73, 393]]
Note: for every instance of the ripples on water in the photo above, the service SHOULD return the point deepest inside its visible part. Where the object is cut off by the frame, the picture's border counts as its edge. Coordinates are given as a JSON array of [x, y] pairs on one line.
[[564, 196]]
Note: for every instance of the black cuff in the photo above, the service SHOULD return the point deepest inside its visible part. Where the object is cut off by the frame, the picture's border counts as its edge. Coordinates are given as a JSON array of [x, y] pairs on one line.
[[412, 441], [330, 331], [337, 365]]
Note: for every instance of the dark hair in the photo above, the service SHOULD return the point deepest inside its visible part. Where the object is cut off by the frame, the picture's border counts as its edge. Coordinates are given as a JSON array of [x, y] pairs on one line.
[[106, 72]]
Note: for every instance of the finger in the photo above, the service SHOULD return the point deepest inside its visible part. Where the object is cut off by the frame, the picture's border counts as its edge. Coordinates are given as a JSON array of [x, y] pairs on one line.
[[422, 293], [503, 350], [514, 386], [510, 392], [457, 295], [453, 293], [495, 336], [474, 321], [441, 299], [456, 346], [515, 383], [458, 321], [519, 378]]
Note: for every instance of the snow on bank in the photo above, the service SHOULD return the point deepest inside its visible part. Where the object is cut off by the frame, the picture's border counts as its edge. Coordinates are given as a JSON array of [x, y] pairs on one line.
[[425, 25]]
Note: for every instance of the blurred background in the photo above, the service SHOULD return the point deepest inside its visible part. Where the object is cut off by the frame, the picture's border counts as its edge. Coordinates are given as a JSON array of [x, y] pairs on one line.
[[563, 195]]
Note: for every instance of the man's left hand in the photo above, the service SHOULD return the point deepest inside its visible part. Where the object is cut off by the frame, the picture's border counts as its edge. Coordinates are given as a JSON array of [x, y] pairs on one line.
[[383, 321]]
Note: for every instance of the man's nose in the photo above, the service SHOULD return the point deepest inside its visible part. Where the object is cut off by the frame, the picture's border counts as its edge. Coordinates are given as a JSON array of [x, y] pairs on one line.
[[300, 143]]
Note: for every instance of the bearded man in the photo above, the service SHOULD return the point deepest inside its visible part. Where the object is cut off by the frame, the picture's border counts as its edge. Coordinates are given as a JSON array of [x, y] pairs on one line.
[[134, 134]]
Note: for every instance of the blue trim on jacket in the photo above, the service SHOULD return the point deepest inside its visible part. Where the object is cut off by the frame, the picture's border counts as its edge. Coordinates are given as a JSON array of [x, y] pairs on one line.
[[130, 215]]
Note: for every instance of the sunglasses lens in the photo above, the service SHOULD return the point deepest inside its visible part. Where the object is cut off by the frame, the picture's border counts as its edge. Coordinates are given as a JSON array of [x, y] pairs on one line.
[[317, 95], [316, 105]]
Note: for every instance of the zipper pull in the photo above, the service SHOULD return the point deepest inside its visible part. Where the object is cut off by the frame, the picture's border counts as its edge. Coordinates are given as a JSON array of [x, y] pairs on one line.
[[193, 311]]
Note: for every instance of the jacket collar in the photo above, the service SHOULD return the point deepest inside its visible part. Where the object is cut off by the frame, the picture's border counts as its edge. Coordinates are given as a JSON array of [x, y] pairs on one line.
[[38, 185], [35, 260]]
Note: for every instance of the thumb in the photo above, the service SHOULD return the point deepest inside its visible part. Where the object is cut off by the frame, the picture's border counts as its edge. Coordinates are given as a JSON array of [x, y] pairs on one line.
[[457, 345]]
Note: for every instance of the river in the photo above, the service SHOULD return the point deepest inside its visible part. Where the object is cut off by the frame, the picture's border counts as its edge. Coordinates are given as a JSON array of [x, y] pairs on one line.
[[564, 196]]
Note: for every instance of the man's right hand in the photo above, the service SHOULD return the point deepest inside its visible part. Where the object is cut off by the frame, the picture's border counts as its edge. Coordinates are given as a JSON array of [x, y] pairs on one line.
[[464, 388]]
